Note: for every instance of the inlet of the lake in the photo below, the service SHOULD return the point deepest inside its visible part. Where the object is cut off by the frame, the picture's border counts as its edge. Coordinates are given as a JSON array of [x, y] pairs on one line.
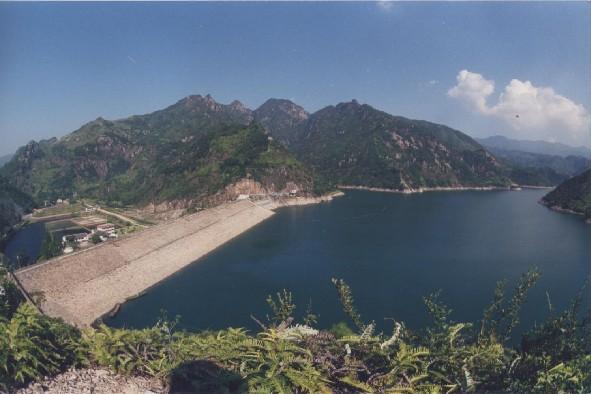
[[392, 250]]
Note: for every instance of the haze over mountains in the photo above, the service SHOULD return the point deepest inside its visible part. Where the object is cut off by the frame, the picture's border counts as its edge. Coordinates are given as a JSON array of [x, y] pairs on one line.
[[541, 147], [195, 150], [5, 159], [539, 162]]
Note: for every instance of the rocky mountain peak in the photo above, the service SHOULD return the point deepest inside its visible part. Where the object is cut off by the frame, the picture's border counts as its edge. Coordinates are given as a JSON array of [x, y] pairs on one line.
[[277, 115], [239, 107], [349, 105]]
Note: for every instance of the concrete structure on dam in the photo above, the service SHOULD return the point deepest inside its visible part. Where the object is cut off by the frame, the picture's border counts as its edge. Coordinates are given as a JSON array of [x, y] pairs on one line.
[[84, 286]]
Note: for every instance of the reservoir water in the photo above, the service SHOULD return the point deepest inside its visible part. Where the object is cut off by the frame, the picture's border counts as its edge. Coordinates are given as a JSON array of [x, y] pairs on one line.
[[392, 249], [26, 243]]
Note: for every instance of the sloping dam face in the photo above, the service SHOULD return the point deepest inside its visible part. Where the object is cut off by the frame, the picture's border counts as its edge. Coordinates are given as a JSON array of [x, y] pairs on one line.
[[85, 286]]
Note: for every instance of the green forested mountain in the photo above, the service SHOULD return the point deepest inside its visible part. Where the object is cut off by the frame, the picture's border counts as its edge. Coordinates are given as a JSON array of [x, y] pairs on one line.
[[189, 150], [196, 147], [573, 194], [356, 144]]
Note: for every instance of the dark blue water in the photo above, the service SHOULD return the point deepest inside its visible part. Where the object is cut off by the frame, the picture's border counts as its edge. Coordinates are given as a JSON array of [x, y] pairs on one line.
[[27, 241], [392, 250]]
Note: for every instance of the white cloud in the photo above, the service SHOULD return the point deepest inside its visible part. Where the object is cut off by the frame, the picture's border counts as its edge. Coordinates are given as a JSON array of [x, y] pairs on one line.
[[535, 112]]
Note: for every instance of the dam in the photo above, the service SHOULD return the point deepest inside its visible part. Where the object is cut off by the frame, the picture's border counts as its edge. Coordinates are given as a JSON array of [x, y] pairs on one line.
[[84, 286]]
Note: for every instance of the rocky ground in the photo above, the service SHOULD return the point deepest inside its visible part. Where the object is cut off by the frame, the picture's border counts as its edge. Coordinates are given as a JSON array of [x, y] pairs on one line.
[[94, 381]]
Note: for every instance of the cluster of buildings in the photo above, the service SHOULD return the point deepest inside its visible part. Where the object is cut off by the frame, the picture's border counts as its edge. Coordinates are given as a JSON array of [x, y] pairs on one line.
[[103, 231]]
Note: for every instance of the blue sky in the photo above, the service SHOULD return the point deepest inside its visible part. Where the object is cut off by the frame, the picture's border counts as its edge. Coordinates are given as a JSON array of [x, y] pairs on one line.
[[63, 64]]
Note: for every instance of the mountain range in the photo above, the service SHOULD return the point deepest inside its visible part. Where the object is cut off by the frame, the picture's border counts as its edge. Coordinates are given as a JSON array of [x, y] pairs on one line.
[[540, 147], [197, 150], [189, 151], [538, 163], [355, 144]]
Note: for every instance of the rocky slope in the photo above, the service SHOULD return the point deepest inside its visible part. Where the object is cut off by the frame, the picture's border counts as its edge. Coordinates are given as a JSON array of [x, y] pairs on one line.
[[354, 144], [573, 194], [279, 116], [189, 151]]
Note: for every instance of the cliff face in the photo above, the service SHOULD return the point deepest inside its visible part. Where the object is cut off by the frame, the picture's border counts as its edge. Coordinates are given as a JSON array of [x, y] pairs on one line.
[[573, 194]]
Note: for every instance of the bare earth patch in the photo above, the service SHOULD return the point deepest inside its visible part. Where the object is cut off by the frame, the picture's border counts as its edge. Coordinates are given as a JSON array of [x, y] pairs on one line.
[[95, 381]]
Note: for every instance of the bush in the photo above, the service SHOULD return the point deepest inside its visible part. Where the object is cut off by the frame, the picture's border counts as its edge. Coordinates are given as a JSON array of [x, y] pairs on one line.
[[447, 356], [151, 351], [33, 346]]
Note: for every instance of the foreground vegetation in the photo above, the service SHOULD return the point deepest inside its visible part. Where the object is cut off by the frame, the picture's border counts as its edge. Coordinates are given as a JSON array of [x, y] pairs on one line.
[[287, 357]]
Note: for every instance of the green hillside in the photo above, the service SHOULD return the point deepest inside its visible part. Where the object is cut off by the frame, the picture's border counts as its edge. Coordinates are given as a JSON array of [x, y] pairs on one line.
[[190, 150], [573, 194], [356, 144], [195, 148]]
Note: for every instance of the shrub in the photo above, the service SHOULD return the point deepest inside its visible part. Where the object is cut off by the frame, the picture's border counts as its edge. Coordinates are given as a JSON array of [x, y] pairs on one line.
[[447, 356], [33, 346]]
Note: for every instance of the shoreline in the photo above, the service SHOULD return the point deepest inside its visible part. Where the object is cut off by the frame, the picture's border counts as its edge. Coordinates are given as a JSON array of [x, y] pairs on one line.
[[267, 204], [559, 209], [426, 189], [86, 286], [537, 187], [274, 204]]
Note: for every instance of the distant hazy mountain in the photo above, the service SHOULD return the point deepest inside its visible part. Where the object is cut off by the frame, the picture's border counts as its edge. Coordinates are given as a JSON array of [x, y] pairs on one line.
[[574, 194], [543, 147], [356, 144], [540, 169], [188, 151], [5, 159]]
